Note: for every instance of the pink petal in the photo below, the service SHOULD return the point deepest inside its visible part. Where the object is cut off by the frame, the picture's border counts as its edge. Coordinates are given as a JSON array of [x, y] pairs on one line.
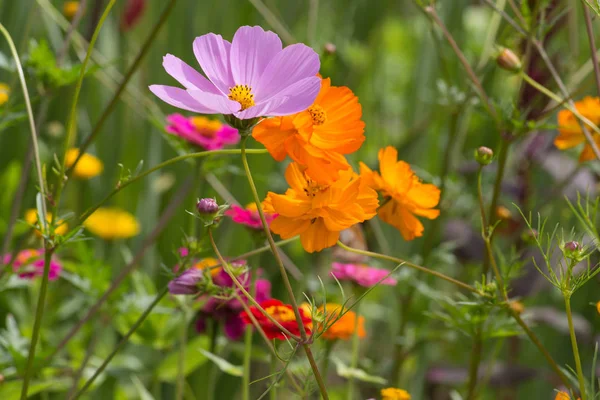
[[186, 75], [251, 50], [219, 103], [298, 97], [212, 53], [180, 98], [261, 109], [292, 64]]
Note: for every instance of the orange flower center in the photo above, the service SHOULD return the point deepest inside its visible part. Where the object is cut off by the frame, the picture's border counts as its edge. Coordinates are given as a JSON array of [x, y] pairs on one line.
[[318, 115], [206, 127], [251, 207], [208, 263], [312, 187], [243, 95], [283, 314]]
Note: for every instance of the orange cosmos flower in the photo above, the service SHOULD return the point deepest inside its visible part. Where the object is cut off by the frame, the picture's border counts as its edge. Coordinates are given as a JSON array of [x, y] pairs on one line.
[[318, 213], [318, 137], [570, 133], [345, 326], [406, 195], [563, 396]]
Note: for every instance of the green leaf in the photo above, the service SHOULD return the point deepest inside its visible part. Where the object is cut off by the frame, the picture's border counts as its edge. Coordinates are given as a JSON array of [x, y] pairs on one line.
[[43, 62], [142, 392], [346, 372], [223, 364], [12, 390], [167, 370]]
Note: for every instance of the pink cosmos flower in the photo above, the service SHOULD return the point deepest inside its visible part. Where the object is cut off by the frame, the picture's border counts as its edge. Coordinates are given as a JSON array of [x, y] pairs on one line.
[[248, 216], [203, 132], [362, 274], [250, 77], [29, 263]]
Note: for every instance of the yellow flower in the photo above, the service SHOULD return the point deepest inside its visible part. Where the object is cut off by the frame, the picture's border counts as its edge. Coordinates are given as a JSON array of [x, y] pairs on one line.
[[112, 223], [70, 9], [345, 326], [31, 217], [563, 396], [598, 307], [88, 166], [394, 394], [4, 93], [208, 262]]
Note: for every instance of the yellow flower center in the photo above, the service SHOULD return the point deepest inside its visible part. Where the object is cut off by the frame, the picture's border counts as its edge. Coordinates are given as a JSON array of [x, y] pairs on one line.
[[312, 187], [283, 314], [318, 115], [251, 207], [243, 95], [208, 262], [206, 127]]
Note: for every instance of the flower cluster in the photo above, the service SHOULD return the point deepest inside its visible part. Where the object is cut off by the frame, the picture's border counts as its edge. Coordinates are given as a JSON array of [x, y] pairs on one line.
[[310, 120], [29, 263]]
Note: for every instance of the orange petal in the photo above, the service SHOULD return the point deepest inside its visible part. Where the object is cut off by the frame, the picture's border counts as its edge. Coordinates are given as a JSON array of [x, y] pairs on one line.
[[272, 133], [317, 237], [289, 227], [397, 216]]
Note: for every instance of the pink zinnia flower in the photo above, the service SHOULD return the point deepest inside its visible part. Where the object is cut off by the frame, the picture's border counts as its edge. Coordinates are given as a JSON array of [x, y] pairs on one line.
[[248, 216], [361, 274], [203, 132], [29, 263], [250, 77]]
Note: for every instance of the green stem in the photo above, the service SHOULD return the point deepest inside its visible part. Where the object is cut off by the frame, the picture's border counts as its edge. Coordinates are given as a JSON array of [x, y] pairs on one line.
[[180, 384], [123, 341], [34, 141], [123, 185], [286, 280], [355, 354], [247, 354], [113, 102], [71, 128], [241, 288], [329, 344], [580, 378], [474, 364], [414, 266], [273, 371], [39, 313]]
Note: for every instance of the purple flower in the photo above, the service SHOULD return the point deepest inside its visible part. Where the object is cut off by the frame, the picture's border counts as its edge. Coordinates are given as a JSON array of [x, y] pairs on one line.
[[250, 77], [361, 274], [187, 282], [203, 132], [29, 263], [228, 311]]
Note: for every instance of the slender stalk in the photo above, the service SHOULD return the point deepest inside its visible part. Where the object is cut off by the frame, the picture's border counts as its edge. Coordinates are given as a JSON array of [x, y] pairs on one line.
[[70, 126], [241, 288], [590, 33], [39, 314], [580, 377], [474, 365], [123, 185], [502, 159], [123, 341], [329, 344], [113, 102], [414, 266], [272, 20], [273, 371], [286, 280], [34, 142], [247, 362], [355, 354], [180, 384], [430, 10]]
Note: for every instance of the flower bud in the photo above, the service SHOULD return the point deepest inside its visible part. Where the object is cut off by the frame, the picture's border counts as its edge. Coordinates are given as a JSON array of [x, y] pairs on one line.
[[187, 282], [4, 93], [329, 48], [207, 206], [503, 213], [516, 306], [572, 250], [529, 236], [508, 60], [70, 8], [484, 155]]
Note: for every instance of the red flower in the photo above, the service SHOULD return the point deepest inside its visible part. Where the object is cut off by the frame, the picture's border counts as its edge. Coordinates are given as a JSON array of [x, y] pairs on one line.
[[282, 313], [133, 12]]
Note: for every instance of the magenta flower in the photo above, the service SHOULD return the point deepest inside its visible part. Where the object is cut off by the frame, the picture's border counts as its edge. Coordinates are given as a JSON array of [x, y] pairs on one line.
[[361, 274], [228, 311], [248, 216], [250, 77], [29, 263], [206, 133]]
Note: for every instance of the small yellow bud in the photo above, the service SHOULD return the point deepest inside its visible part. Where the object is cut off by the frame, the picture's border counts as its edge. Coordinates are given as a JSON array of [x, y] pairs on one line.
[[4, 93], [516, 306], [70, 9], [509, 61]]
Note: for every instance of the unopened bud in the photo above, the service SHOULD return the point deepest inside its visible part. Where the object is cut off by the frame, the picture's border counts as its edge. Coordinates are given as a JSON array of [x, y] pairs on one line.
[[207, 206], [329, 48], [572, 250], [70, 8], [508, 60], [503, 213], [529, 236], [516, 306], [484, 155], [187, 282]]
